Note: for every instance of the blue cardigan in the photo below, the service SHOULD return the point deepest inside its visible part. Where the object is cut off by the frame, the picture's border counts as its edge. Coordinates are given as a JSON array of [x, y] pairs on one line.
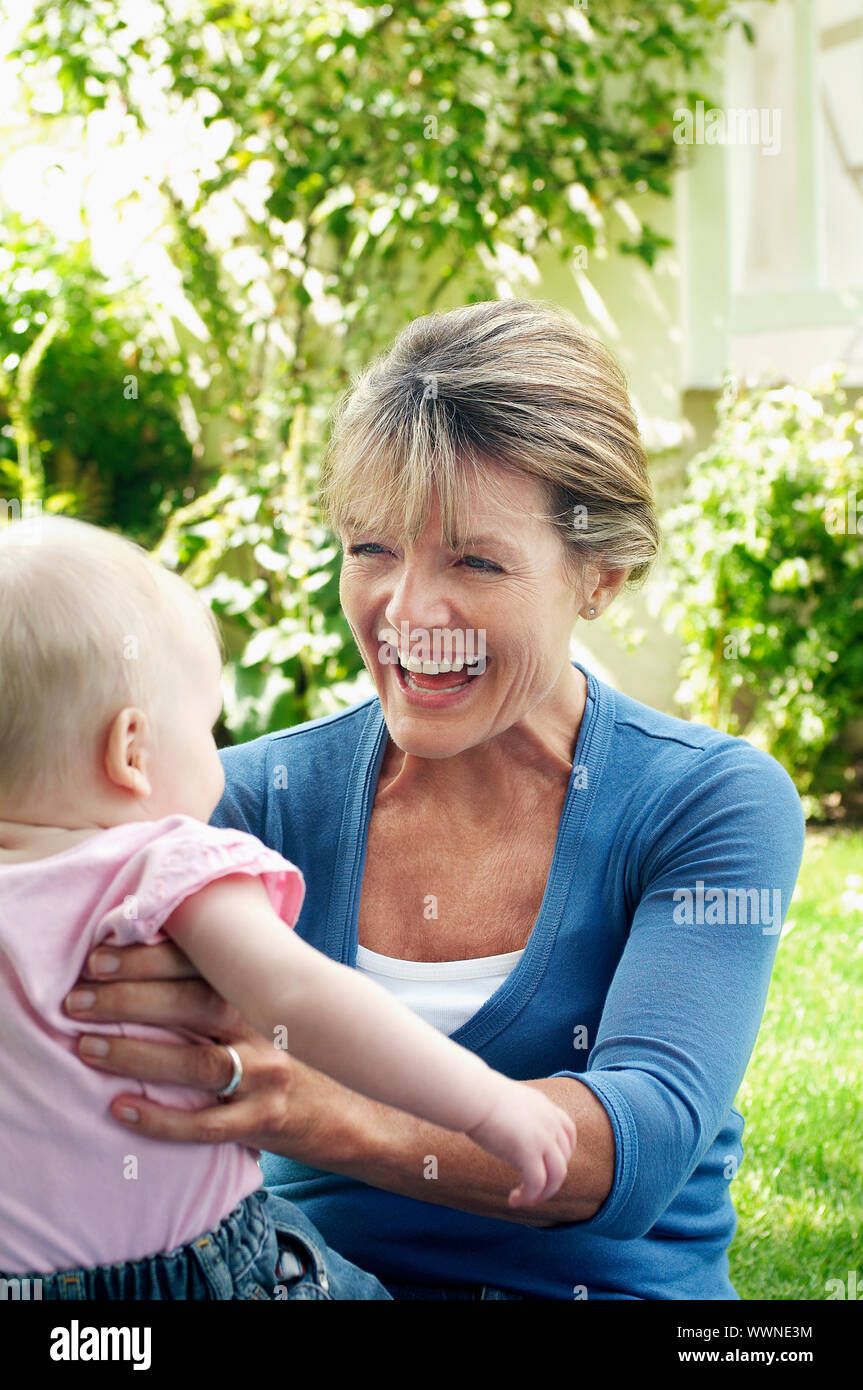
[[645, 978]]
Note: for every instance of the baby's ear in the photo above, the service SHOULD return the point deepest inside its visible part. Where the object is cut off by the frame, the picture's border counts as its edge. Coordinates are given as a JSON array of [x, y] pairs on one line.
[[126, 752]]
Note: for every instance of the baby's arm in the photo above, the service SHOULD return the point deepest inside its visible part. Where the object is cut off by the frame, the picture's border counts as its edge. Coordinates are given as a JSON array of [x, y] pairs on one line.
[[345, 1025]]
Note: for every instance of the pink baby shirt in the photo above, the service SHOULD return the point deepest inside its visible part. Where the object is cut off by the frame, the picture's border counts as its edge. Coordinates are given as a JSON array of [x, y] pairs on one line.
[[76, 1187]]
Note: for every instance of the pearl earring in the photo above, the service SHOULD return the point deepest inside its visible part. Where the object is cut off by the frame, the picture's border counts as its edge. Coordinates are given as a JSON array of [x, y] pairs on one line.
[[592, 611]]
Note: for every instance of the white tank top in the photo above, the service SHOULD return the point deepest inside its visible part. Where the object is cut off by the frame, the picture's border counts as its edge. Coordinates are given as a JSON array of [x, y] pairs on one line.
[[446, 993]]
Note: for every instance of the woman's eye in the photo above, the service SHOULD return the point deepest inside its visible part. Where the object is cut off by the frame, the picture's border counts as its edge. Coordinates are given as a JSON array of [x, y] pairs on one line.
[[482, 565], [473, 562]]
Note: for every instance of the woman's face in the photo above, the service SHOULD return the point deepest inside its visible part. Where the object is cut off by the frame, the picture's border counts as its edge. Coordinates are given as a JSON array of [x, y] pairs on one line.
[[505, 604]]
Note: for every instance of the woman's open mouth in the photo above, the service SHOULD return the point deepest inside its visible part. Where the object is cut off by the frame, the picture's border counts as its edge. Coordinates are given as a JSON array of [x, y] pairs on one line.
[[435, 682]]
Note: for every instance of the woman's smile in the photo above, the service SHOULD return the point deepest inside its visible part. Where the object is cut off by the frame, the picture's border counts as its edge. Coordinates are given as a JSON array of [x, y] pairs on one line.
[[435, 684]]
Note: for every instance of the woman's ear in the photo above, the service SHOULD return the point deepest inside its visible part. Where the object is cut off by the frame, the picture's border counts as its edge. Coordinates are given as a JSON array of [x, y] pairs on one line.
[[127, 753], [607, 587]]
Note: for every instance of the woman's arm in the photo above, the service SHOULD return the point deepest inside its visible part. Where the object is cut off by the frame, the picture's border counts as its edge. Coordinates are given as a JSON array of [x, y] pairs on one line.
[[394, 1155], [286, 1107], [716, 865], [337, 1021]]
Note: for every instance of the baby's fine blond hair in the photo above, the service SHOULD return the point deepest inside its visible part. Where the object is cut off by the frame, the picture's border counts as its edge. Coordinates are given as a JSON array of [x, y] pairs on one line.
[[89, 624]]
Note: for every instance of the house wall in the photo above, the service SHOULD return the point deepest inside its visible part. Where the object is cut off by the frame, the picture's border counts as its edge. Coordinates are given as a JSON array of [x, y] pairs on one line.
[[765, 278]]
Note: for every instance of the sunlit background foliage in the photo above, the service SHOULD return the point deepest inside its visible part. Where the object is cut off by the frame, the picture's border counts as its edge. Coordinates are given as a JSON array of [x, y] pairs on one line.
[[234, 206], [213, 215]]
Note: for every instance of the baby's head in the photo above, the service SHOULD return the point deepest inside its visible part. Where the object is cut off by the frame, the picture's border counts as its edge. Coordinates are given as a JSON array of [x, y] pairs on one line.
[[110, 681]]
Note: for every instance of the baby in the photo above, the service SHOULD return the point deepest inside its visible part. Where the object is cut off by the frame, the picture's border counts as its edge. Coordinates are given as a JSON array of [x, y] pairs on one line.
[[110, 684]]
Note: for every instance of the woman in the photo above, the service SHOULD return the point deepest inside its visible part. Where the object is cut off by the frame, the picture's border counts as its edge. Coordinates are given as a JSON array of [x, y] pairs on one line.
[[584, 891]]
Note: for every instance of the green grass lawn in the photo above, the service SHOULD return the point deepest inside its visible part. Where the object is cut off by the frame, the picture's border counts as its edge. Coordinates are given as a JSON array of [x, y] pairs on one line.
[[799, 1192]]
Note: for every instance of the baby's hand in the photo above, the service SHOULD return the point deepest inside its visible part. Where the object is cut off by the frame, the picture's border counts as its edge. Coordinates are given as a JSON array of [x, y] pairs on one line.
[[528, 1130]]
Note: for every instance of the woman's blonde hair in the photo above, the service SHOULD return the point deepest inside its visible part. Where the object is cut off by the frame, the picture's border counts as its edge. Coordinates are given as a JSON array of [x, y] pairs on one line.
[[89, 624], [514, 382]]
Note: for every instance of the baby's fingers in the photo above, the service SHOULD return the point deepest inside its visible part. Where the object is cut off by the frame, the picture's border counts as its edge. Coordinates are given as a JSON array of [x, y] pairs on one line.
[[534, 1181], [557, 1167], [542, 1180]]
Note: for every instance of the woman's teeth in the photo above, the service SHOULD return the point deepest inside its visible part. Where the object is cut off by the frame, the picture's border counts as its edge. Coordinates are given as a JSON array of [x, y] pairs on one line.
[[439, 675], [435, 668]]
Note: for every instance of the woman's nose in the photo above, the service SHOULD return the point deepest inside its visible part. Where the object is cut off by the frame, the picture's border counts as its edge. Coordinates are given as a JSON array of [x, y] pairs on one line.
[[419, 600]]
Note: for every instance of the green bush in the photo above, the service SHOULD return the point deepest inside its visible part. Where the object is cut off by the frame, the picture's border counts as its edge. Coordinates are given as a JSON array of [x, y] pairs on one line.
[[89, 410], [260, 555], [363, 164], [764, 581]]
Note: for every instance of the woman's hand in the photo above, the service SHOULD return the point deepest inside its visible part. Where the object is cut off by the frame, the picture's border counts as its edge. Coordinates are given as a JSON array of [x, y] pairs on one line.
[[280, 1105], [285, 1107]]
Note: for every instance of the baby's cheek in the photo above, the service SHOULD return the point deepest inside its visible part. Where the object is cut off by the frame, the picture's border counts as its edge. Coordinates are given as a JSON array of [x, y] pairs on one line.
[[218, 781]]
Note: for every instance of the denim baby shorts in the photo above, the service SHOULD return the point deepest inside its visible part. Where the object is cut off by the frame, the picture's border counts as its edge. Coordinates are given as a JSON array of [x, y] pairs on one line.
[[266, 1249]]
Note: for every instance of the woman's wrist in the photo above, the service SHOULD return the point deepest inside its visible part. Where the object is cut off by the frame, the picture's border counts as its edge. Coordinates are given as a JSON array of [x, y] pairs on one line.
[[346, 1133]]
